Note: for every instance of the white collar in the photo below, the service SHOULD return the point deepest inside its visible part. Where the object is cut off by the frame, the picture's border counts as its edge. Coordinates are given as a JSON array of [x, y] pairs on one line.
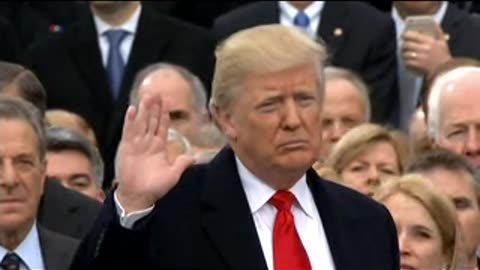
[[130, 26], [400, 23], [313, 10], [29, 250], [259, 193]]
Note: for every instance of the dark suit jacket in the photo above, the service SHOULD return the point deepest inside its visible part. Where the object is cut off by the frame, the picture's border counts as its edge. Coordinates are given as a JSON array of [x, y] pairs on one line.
[[66, 211], [57, 250], [70, 67], [367, 44], [205, 223], [9, 47]]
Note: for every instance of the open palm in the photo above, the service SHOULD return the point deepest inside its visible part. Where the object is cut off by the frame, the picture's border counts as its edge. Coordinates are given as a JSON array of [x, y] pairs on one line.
[[143, 171]]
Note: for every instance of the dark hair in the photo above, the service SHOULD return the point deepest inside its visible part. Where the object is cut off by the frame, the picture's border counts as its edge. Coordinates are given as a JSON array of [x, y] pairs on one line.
[[441, 158], [15, 108], [25, 84], [62, 139]]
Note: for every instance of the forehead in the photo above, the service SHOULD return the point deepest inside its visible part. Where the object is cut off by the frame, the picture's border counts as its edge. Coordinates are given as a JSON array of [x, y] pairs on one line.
[[17, 137], [408, 210], [341, 89], [168, 84], [460, 101], [452, 182]]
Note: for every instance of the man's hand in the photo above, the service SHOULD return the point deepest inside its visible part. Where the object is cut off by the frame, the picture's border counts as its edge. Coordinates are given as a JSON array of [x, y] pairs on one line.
[[424, 53], [144, 173]]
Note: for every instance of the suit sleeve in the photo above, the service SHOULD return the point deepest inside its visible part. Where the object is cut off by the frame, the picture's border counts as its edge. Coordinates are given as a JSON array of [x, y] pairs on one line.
[[380, 73]]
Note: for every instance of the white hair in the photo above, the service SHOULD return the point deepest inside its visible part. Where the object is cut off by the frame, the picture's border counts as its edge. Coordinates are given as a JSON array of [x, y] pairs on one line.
[[446, 81]]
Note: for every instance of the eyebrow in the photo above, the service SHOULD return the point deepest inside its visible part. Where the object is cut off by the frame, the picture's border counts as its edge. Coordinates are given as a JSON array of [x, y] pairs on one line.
[[419, 227]]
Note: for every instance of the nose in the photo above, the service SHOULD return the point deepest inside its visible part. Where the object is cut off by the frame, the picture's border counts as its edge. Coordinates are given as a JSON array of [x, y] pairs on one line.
[[338, 131], [373, 176], [472, 146], [292, 118], [8, 176], [404, 244]]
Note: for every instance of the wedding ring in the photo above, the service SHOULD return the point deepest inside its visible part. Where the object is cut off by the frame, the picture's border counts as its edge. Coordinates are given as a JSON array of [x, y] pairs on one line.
[[413, 55]]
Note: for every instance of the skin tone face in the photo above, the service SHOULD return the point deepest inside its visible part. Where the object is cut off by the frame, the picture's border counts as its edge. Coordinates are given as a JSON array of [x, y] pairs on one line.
[[22, 175], [366, 171], [274, 124], [344, 108], [460, 118], [458, 186], [177, 97], [418, 235], [75, 171]]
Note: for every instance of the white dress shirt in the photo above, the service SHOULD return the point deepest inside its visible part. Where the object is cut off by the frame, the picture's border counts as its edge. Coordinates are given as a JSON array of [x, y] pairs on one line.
[[313, 11], [29, 251], [409, 91], [307, 218], [125, 48]]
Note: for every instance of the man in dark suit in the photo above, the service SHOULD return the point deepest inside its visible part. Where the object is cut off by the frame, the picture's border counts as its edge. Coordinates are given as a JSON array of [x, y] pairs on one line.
[[87, 71], [60, 210], [358, 37], [24, 244], [258, 204], [456, 36]]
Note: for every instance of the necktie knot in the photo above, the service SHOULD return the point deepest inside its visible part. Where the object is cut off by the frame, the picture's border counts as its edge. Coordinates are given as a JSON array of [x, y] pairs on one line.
[[283, 200], [301, 19], [11, 261], [115, 37]]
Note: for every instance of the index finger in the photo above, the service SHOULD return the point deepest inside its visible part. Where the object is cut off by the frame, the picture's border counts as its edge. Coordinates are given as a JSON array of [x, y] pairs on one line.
[[414, 36]]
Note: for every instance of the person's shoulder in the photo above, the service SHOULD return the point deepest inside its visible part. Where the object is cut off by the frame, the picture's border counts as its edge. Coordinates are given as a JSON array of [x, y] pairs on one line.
[[60, 239], [244, 12], [54, 191]]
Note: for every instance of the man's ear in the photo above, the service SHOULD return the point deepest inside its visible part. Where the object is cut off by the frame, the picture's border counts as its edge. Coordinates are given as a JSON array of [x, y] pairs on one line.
[[225, 122]]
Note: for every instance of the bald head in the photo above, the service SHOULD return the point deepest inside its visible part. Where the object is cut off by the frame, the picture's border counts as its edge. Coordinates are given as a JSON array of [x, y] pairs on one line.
[[454, 112]]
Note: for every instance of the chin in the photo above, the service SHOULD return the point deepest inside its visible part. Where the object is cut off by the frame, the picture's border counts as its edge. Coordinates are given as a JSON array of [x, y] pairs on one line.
[[297, 161]]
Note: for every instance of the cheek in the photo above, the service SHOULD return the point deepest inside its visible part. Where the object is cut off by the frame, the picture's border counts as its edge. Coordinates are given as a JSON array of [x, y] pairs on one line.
[[354, 179]]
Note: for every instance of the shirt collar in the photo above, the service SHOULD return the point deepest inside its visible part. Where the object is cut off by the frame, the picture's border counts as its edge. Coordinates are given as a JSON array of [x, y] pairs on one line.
[[130, 26], [29, 250], [400, 23], [313, 10], [258, 192]]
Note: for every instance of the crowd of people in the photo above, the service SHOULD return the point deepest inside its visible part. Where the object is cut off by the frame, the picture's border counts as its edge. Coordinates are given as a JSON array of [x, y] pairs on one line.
[[287, 135]]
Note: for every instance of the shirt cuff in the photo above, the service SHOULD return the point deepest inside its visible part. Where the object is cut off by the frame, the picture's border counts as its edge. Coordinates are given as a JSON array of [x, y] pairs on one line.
[[128, 220]]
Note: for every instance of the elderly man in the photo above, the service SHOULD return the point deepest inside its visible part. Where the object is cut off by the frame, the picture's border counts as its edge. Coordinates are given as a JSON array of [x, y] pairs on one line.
[[454, 112], [346, 105], [75, 162], [25, 244], [455, 177], [257, 204]]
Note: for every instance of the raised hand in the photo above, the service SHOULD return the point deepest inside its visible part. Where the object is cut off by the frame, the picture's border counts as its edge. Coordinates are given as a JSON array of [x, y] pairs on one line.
[[143, 170]]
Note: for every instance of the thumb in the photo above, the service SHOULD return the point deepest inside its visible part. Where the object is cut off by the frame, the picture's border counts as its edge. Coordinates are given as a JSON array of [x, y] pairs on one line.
[[439, 32], [182, 162]]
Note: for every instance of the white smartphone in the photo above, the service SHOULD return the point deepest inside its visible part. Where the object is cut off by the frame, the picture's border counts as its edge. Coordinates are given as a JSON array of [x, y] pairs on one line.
[[422, 24]]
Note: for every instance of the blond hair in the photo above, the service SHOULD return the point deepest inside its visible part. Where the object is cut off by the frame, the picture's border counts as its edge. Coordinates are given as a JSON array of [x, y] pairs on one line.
[[437, 205], [358, 140], [259, 50]]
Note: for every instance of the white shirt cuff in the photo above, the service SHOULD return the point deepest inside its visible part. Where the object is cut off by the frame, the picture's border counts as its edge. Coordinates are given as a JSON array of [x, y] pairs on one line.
[[128, 220]]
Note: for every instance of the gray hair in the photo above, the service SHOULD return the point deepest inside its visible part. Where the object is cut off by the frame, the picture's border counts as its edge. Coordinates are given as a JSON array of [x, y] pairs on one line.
[[434, 100], [14, 108], [196, 85], [63, 139], [338, 73]]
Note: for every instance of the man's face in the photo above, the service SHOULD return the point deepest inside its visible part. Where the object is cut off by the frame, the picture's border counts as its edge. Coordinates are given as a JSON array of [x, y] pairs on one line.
[[177, 97], [460, 120], [22, 175], [458, 186], [274, 122], [343, 109], [75, 171]]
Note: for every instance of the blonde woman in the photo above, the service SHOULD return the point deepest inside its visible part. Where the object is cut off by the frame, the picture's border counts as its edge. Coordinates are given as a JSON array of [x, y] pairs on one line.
[[426, 223], [366, 155]]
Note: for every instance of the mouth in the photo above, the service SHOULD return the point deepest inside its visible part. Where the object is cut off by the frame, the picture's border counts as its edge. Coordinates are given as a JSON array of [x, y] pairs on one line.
[[294, 144], [10, 200], [407, 267]]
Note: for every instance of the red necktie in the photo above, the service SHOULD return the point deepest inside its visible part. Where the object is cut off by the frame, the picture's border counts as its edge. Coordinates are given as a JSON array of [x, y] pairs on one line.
[[288, 251]]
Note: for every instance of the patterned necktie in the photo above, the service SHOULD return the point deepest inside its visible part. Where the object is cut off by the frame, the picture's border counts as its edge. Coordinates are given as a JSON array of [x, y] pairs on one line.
[[301, 20], [11, 261], [115, 63], [288, 250]]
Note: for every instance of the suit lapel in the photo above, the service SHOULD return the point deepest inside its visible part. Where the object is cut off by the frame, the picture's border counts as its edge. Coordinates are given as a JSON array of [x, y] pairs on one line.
[[86, 54], [333, 26], [450, 23], [330, 217], [55, 255], [227, 218]]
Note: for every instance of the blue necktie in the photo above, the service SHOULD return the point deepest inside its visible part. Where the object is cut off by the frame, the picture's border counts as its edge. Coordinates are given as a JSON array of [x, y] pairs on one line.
[[115, 64], [301, 20], [11, 261]]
